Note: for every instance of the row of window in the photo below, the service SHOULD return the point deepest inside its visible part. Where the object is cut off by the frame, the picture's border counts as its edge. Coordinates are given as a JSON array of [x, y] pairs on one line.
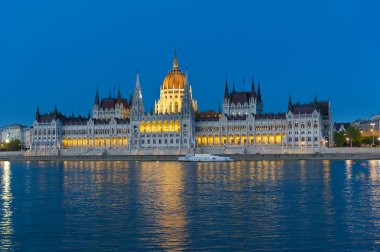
[[302, 132], [241, 128], [96, 131], [161, 141], [296, 139], [302, 124], [44, 132], [165, 135]]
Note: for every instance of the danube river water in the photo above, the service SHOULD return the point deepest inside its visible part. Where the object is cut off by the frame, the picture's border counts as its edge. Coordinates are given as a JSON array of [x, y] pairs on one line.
[[129, 206]]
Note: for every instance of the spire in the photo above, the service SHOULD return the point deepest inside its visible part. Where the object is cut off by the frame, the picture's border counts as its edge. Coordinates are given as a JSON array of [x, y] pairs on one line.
[[290, 104], [253, 93], [258, 92], [119, 95], [226, 90], [186, 99], [97, 97], [89, 115], [38, 113], [137, 107], [175, 60], [55, 112], [233, 87], [130, 98], [109, 95], [315, 101], [259, 103]]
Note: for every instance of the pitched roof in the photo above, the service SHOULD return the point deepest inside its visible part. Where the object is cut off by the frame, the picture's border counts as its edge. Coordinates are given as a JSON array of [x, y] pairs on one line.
[[109, 103], [308, 108], [239, 97]]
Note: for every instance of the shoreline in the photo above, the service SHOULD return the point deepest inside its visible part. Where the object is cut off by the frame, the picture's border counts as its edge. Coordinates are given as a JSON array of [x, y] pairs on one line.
[[236, 157]]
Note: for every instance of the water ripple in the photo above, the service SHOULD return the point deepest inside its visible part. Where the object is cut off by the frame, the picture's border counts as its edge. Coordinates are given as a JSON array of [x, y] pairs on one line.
[[124, 206]]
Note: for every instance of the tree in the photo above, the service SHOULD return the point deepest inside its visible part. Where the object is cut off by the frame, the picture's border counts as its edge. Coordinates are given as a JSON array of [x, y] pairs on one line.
[[340, 139], [13, 145], [354, 135]]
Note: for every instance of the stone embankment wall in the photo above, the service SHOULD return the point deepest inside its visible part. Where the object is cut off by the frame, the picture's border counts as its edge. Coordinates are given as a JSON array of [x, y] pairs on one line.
[[173, 154]]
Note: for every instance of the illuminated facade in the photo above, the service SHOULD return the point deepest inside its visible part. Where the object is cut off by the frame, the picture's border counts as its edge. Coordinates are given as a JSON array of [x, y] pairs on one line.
[[171, 92], [118, 123]]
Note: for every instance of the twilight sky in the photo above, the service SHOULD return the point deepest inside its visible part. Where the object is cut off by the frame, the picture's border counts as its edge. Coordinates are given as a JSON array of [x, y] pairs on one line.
[[57, 52]]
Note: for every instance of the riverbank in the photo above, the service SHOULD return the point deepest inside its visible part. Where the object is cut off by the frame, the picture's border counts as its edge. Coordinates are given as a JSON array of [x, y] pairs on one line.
[[172, 155]]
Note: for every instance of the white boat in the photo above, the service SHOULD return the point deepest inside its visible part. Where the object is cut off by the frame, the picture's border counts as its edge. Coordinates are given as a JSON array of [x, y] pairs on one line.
[[204, 158]]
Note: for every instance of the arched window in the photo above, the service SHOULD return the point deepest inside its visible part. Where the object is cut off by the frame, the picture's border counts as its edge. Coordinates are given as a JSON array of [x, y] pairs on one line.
[[176, 107]]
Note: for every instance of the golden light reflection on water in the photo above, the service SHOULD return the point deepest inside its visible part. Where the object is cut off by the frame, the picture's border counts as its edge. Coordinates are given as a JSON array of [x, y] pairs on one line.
[[327, 192], [6, 225], [238, 173], [161, 195], [99, 172]]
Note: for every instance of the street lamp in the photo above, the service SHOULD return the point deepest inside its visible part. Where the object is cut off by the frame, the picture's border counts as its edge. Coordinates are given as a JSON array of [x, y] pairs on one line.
[[348, 141], [373, 133]]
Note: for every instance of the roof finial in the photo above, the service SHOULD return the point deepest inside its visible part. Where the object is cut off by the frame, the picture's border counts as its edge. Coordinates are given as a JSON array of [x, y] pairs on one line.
[[38, 113], [119, 95], [97, 96], [253, 92], [290, 104], [175, 60], [258, 92], [226, 90]]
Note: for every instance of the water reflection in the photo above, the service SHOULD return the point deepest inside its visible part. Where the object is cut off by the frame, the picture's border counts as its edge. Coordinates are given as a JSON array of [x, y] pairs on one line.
[[131, 206], [162, 202], [375, 195], [6, 227]]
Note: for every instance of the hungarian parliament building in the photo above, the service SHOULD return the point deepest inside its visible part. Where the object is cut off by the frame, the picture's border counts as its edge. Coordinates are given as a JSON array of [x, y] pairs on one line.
[[176, 123]]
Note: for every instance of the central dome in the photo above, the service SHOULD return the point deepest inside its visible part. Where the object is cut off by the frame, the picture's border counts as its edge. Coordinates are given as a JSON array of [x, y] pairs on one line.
[[175, 79]]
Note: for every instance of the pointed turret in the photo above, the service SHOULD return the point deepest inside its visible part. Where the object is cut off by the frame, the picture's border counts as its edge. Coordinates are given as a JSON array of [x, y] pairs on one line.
[[137, 107], [38, 116], [55, 112], [97, 97], [226, 90], [89, 114], [290, 104], [253, 93], [258, 92], [315, 102], [233, 87], [119, 95], [186, 99], [130, 98], [109, 95], [259, 100]]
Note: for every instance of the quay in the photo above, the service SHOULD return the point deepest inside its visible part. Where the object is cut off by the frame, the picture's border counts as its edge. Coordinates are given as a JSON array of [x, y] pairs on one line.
[[172, 155]]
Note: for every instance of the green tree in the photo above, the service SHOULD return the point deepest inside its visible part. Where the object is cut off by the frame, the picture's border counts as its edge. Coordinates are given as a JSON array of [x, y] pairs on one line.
[[366, 140], [354, 135], [13, 145], [340, 139]]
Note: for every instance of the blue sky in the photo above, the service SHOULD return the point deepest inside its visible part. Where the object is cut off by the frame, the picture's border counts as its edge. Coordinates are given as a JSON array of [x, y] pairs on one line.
[[59, 52]]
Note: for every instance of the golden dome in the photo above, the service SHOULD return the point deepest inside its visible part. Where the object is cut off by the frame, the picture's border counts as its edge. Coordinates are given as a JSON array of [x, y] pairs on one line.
[[175, 78]]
